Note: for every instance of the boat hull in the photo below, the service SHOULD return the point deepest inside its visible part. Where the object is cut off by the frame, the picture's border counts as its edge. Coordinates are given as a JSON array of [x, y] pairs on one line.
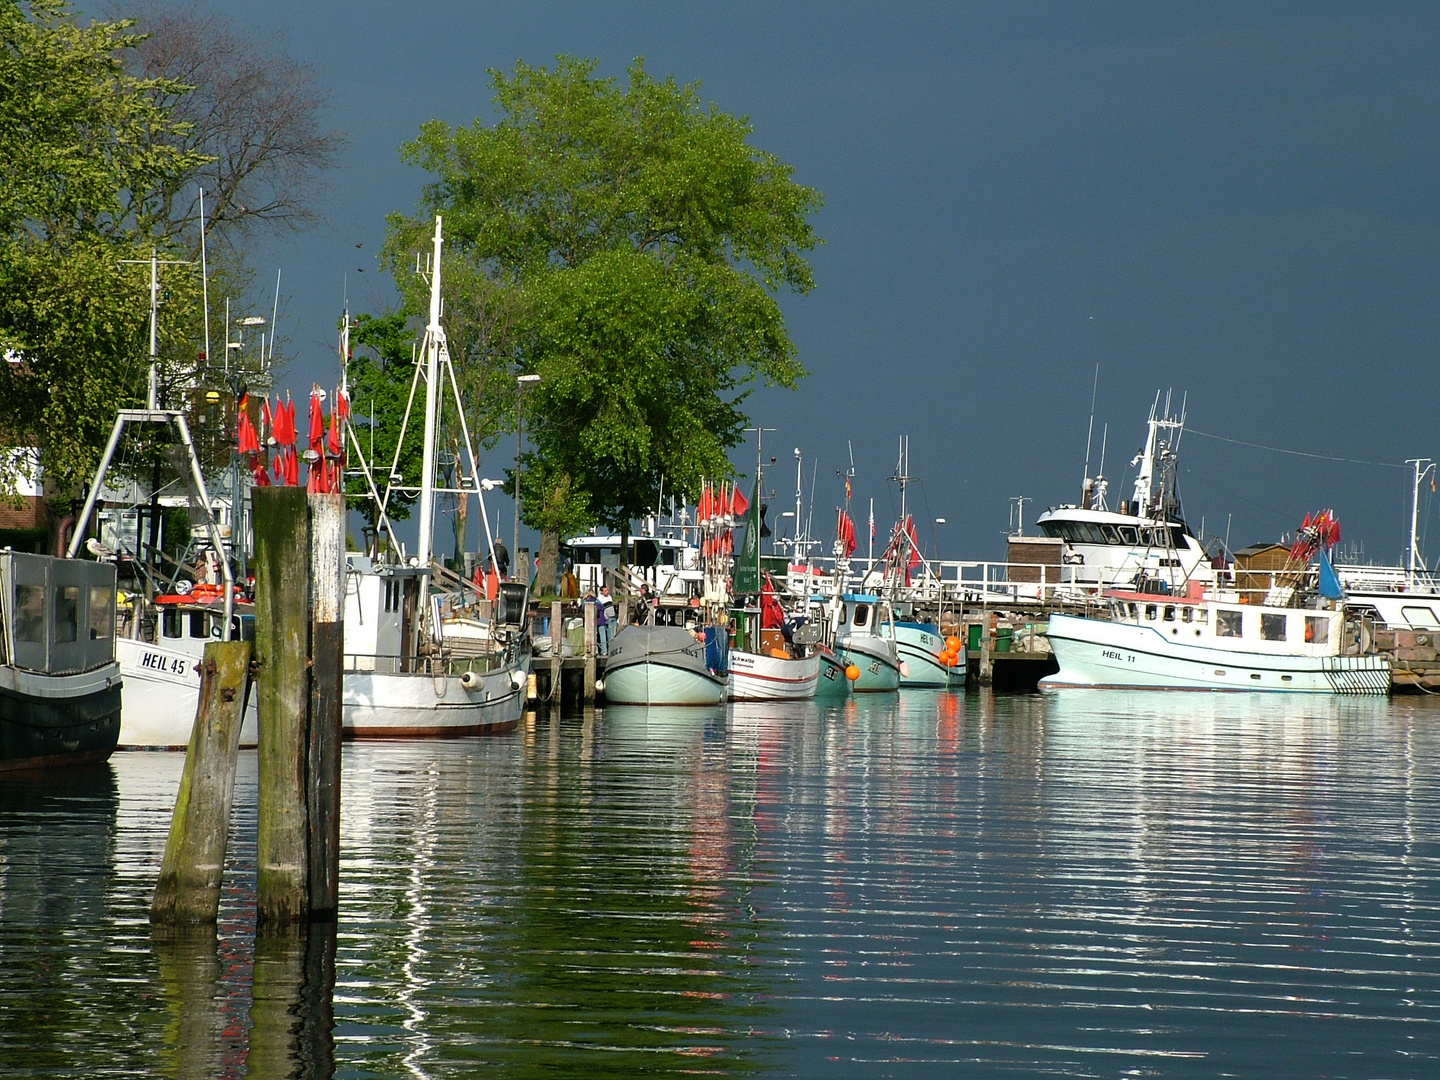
[[58, 720], [756, 677], [385, 705], [660, 665], [919, 646], [162, 691], [878, 662], [832, 685], [1098, 654]]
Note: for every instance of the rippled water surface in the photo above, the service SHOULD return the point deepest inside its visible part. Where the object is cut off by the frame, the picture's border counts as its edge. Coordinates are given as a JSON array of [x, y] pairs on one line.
[[1083, 884]]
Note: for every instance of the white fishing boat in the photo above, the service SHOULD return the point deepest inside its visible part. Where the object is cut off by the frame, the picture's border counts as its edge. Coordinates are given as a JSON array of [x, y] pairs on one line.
[[1192, 641], [1144, 539], [60, 689], [772, 659], [775, 676], [666, 665], [160, 647], [403, 677]]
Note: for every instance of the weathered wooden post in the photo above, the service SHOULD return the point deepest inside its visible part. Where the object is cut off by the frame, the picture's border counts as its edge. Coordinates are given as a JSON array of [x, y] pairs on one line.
[[188, 892], [282, 630], [557, 643], [327, 657], [589, 695]]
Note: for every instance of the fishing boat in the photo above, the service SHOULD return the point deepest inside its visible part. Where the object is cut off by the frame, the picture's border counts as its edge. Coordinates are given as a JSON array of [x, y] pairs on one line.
[[162, 636], [1145, 538], [59, 679], [666, 665], [926, 661], [864, 637], [404, 676], [770, 660], [1205, 639], [160, 645]]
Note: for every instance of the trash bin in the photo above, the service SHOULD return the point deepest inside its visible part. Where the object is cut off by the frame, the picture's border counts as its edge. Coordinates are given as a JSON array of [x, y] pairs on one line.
[[974, 643], [1003, 637], [575, 636]]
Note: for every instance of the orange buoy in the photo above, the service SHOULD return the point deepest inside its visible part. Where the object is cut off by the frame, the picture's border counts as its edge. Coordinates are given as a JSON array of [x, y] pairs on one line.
[[952, 645], [852, 673]]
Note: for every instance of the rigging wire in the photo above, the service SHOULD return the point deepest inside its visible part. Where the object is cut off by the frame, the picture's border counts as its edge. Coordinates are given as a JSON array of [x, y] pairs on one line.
[[1296, 453]]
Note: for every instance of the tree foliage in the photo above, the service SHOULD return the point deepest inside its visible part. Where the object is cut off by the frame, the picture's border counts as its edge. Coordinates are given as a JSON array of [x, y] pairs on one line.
[[646, 240], [78, 133]]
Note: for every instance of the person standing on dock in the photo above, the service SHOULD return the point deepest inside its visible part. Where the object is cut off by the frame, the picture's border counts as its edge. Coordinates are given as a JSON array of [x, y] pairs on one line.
[[604, 618]]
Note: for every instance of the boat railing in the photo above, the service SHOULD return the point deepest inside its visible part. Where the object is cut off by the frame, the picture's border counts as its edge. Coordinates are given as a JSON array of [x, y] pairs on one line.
[[438, 665]]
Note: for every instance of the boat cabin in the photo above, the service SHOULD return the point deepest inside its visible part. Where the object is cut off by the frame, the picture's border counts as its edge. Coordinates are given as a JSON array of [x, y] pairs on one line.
[[667, 564], [1185, 619], [56, 615]]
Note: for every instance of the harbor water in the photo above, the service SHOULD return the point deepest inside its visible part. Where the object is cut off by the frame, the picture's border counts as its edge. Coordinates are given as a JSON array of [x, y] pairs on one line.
[[1089, 883]]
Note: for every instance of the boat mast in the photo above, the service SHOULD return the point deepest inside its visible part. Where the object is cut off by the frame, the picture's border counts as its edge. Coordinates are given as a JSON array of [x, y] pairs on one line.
[[1422, 468], [434, 336]]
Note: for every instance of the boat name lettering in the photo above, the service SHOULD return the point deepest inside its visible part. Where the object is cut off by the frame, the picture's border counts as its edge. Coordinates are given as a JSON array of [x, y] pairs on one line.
[[1111, 654], [161, 662]]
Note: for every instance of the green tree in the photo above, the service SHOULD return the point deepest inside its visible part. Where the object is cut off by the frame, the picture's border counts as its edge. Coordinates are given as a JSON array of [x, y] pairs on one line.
[[646, 241], [79, 137], [380, 370]]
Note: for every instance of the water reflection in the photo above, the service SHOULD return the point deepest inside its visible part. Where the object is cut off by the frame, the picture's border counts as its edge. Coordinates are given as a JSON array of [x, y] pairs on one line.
[[928, 884]]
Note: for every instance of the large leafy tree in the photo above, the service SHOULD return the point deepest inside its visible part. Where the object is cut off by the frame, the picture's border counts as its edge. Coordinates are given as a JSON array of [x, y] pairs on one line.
[[647, 240], [78, 137]]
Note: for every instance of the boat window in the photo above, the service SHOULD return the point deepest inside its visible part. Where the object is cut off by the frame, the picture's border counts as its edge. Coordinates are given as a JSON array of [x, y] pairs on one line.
[[1095, 534], [1186, 614], [1169, 612], [67, 613], [1202, 615], [1228, 623], [200, 624], [1421, 618], [1134, 611], [1111, 536], [862, 614], [170, 623], [1317, 629], [1127, 534], [102, 613], [1050, 529], [1272, 626], [1146, 536], [1150, 610], [30, 613], [392, 594]]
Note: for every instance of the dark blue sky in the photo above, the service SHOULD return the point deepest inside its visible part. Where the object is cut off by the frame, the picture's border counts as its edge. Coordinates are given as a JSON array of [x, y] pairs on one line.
[[1237, 201]]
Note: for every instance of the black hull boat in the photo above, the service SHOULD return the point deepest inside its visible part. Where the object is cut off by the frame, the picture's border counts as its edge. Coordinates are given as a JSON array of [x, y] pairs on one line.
[[59, 680]]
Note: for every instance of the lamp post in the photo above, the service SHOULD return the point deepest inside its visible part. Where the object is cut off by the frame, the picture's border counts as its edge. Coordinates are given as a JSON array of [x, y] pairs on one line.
[[521, 382]]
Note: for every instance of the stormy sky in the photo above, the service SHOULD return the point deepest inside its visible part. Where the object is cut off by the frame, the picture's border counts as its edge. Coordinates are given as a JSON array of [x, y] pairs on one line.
[[1236, 202]]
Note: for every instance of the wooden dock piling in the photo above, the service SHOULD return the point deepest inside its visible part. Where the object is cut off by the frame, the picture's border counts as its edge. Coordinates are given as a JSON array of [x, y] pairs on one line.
[[282, 630], [188, 892], [557, 643], [589, 689], [327, 649]]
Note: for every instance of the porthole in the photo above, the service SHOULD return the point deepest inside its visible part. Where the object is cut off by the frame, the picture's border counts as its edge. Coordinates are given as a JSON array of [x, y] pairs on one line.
[[1287, 678], [1255, 677]]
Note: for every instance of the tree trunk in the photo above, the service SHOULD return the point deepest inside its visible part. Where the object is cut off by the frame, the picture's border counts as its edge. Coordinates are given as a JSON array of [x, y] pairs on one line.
[[549, 558]]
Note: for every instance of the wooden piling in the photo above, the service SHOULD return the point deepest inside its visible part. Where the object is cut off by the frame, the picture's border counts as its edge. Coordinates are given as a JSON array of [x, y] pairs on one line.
[[282, 623], [188, 892], [589, 689], [327, 657], [557, 643]]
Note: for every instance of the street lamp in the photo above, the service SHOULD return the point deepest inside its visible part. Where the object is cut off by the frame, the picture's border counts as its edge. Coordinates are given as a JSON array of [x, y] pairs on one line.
[[521, 382]]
